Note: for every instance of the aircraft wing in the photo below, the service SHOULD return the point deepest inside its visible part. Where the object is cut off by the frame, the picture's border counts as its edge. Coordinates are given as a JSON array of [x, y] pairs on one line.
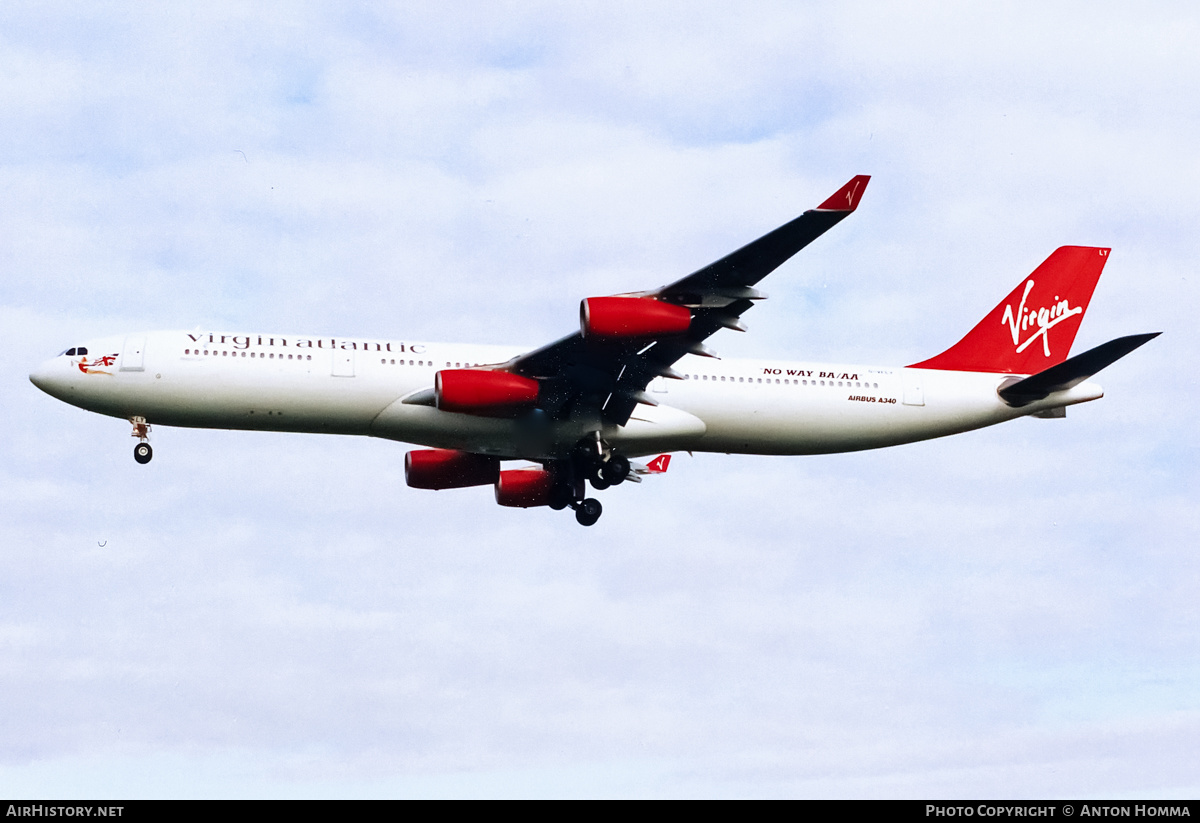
[[610, 373]]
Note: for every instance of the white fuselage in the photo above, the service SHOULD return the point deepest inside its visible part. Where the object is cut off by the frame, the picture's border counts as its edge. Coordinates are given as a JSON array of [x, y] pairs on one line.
[[354, 386]]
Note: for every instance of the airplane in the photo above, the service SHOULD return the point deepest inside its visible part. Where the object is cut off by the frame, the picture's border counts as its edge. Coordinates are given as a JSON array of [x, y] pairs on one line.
[[636, 379]]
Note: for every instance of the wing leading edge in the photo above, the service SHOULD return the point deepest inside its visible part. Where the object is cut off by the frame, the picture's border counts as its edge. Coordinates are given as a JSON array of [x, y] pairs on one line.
[[609, 374]]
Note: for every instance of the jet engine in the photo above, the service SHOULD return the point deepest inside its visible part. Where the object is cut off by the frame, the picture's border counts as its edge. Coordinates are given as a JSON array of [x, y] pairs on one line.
[[524, 488], [622, 317], [486, 393], [449, 469]]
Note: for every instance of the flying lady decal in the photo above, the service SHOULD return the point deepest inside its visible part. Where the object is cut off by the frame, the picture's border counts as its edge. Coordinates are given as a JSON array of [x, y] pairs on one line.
[[98, 365]]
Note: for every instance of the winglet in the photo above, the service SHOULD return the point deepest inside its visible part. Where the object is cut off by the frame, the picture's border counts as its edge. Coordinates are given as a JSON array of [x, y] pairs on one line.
[[847, 197], [659, 464]]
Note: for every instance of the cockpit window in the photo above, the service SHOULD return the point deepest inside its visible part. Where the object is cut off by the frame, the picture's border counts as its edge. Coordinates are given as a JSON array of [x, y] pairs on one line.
[[82, 350], [69, 353]]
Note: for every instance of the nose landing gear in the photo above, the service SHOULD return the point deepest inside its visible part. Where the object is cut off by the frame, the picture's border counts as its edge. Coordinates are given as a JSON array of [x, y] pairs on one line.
[[141, 430]]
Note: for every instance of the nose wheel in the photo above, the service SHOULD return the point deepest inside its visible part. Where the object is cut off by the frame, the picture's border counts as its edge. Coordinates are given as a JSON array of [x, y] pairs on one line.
[[141, 430]]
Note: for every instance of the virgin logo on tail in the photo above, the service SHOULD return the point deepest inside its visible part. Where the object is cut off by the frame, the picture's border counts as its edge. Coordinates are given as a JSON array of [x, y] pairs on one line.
[[1041, 320], [1003, 341]]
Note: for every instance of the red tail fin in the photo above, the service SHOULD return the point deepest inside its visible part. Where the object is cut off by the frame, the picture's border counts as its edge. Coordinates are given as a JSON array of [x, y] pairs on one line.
[[1034, 327]]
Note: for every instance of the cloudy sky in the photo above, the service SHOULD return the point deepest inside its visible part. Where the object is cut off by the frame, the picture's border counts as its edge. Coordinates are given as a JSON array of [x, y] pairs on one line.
[[1006, 613]]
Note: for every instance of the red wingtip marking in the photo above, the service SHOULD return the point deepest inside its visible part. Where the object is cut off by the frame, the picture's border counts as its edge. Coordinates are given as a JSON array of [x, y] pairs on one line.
[[659, 464], [847, 197]]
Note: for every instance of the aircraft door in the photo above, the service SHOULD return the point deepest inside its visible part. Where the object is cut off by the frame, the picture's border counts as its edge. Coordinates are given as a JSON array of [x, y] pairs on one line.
[[134, 353], [914, 391], [343, 362]]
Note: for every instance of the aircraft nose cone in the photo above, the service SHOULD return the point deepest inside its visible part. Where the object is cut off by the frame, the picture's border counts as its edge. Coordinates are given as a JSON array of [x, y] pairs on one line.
[[49, 377]]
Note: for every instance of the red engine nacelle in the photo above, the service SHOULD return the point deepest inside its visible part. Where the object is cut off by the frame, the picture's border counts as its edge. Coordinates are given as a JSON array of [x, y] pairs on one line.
[[488, 393], [449, 469], [525, 488], [632, 317]]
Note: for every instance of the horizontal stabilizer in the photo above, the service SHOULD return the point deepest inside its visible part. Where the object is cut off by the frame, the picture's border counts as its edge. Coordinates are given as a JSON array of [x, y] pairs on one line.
[[1072, 371]]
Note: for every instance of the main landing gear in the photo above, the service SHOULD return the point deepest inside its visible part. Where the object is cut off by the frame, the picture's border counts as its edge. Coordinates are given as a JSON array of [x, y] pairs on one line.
[[568, 494], [587, 511], [141, 430], [595, 461]]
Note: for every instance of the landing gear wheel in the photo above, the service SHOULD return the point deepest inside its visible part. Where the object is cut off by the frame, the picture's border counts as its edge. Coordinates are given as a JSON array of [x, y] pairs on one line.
[[588, 511], [615, 470], [142, 453], [599, 482], [560, 498]]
